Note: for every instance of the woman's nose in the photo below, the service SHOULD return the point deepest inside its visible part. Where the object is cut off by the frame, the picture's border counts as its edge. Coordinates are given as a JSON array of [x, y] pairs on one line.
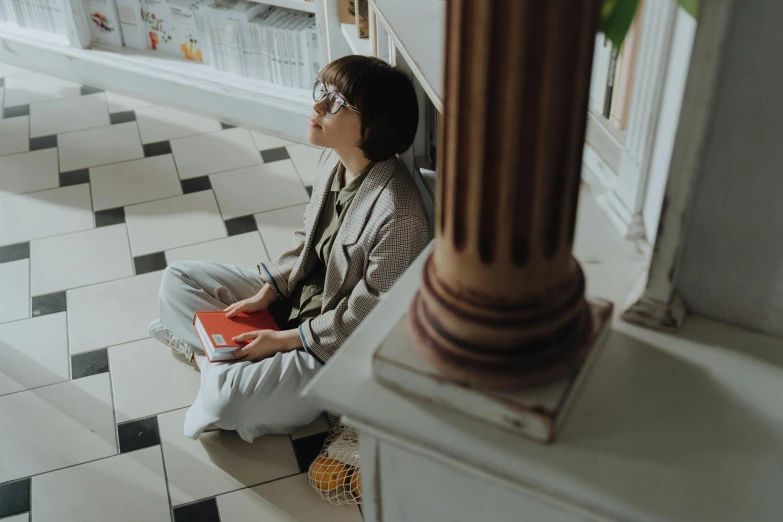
[[320, 106]]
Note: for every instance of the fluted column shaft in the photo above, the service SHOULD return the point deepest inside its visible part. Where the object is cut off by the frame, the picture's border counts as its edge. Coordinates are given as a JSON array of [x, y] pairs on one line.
[[502, 302]]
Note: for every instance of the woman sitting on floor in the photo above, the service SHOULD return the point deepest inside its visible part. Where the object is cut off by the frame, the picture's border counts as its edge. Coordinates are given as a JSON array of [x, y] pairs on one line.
[[363, 227]]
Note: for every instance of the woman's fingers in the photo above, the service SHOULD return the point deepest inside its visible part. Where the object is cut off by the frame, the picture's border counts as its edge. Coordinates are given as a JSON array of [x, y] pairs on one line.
[[234, 309]]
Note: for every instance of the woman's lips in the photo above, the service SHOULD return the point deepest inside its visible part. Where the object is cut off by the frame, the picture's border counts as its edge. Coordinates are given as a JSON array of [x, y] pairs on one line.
[[314, 124]]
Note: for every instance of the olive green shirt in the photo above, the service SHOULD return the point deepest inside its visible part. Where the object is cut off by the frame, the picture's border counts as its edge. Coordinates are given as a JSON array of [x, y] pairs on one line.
[[306, 299]]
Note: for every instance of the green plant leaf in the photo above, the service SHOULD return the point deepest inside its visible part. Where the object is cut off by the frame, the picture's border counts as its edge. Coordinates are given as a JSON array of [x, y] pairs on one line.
[[616, 18], [691, 6]]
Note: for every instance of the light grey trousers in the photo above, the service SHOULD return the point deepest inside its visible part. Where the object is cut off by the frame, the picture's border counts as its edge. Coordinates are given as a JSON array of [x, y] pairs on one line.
[[252, 398]]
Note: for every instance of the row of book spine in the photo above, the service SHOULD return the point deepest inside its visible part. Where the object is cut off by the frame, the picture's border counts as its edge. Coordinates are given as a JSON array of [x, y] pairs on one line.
[[612, 78], [43, 15]]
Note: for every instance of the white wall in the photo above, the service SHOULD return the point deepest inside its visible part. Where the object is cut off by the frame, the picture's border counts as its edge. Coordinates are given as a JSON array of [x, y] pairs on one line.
[[732, 264]]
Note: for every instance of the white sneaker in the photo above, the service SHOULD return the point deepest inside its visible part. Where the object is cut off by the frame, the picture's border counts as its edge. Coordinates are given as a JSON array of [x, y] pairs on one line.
[[178, 346]]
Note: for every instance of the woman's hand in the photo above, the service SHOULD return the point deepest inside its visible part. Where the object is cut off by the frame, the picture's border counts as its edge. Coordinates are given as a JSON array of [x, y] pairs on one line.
[[258, 302], [263, 344]]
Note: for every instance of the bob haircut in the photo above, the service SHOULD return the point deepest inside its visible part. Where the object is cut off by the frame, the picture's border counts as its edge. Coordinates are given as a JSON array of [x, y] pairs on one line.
[[385, 98]]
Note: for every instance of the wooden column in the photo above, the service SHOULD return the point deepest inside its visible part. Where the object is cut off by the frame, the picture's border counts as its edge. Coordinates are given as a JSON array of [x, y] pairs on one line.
[[502, 301]]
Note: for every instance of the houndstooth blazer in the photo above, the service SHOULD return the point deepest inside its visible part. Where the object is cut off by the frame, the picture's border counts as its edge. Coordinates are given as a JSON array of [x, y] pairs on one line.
[[385, 229]]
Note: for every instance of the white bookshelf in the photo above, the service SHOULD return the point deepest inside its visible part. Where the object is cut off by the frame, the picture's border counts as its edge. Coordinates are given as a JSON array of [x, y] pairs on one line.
[[170, 81], [299, 5], [418, 30], [357, 45]]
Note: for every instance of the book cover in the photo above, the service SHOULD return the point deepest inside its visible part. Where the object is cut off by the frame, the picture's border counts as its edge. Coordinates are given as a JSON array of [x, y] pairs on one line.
[[132, 25], [216, 331], [172, 27], [104, 21], [347, 11], [362, 19]]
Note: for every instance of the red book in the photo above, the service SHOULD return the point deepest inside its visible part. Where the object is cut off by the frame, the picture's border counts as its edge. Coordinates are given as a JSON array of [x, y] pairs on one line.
[[216, 331]]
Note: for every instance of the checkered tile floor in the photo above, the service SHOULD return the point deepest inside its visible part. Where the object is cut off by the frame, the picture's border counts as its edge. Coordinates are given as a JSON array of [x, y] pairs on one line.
[[98, 192]]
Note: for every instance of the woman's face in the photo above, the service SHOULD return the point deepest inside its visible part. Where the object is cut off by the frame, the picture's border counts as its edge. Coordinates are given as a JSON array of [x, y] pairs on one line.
[[334, 131]]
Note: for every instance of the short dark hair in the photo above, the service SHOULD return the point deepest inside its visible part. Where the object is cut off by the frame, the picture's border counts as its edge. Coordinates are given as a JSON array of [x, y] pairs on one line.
[[385, 98]]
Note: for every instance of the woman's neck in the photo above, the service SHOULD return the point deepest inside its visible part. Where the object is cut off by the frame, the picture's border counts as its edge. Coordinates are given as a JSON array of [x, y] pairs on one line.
[[354, 161]]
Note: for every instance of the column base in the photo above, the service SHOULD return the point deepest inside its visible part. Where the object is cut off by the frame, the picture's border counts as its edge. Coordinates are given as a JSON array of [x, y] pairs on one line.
[[501, 346], [537, 413]]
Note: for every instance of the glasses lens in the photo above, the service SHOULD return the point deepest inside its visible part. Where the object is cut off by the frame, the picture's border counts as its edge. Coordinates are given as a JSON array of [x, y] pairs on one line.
[[319, 90], [334, 103]]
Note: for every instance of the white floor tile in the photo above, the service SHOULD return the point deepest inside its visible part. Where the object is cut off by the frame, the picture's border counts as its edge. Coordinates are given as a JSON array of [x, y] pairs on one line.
[[245, 250], [174, 222], [267, 141], [219, 462], [132, 182], [169, 383], [56, 426], [34, 353], [15, 282], [12, 70], [120, 103], [320, 425], [257, 189], [112, 313], [35, 87], [80, 259], [93, 147], [126, 488], [277, 227], [282, 501], [45, 214], [216, 152], [14, 134], [305, 157], [162, 123], [54, 117], [28, 171]]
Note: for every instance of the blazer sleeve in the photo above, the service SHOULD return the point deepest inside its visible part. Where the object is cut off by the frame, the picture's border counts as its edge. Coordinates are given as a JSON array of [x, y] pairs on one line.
[[399, 243], [278, 272]]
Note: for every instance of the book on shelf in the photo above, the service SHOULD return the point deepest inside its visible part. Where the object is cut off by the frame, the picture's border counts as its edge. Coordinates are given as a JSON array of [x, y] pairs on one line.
[[610, 75], [624, 84], [216, 331], [347, 11], [132, 25], [104, 21], [362, 19]]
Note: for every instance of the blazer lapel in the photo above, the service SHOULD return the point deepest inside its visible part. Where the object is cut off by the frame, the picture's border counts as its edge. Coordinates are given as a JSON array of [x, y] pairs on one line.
[[363, 201]]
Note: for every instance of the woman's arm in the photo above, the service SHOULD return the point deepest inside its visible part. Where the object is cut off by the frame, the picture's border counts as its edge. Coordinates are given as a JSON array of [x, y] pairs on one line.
[[399, 243]]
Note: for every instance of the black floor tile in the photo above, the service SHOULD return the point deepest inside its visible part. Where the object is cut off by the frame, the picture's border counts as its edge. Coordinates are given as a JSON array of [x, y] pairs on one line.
[[18, 110], [195, 184], [150, 263], [157, 149], [241, 225], [111, 216], [44, 142], [89, 363], [201, 511], [49, 304], [86, 89], [226, 125], [138, 434], [14, 252], [14, 497], [277, 154], [122, 117], [308, 448], [309, 189], [74, 177]]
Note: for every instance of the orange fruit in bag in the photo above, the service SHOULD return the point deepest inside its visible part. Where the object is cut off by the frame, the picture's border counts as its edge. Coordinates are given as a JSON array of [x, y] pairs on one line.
[[328, 474], [356, 484]]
